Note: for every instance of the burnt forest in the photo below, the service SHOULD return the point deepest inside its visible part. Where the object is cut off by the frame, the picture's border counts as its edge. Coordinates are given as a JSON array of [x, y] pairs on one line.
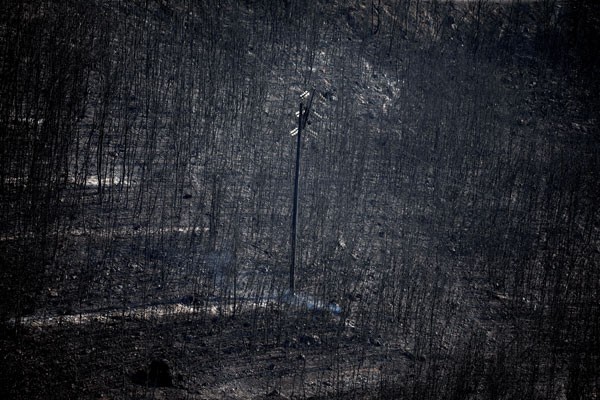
[[300, 199]]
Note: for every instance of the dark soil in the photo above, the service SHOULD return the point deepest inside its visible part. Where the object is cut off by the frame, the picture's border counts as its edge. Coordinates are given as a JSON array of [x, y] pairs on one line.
[[449, 236]]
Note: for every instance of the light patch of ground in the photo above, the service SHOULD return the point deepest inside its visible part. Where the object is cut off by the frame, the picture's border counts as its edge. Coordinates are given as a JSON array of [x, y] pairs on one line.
[[93, 181], [153, 312]]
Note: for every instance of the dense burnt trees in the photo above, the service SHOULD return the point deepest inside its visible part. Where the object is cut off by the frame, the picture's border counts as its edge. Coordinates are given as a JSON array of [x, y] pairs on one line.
[[44, 92], [447, 201]]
